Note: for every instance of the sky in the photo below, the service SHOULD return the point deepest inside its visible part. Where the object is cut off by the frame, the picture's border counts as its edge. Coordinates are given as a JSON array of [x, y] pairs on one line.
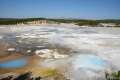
[[83, 9]]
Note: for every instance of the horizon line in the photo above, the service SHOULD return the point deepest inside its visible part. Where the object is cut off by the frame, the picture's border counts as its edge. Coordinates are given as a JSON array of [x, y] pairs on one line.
[[59, 18]]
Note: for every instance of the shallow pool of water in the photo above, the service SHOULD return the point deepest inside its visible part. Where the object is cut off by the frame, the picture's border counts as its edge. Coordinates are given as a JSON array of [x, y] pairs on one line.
[[17, 63], [89, 61]]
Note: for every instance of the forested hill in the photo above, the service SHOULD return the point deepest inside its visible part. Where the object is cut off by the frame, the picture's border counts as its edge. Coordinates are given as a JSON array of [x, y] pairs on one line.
[[9, 21]]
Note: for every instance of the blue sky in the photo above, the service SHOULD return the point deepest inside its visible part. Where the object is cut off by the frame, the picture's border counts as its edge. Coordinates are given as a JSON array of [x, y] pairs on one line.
[[85, 9]]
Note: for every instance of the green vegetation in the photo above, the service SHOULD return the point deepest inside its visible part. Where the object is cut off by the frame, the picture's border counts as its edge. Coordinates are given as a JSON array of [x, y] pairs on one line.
[[89, 23], [11, 21], [112, 76], [76, 21], [86, 22]]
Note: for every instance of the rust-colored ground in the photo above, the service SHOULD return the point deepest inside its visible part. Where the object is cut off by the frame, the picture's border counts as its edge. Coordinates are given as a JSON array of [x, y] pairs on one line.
[[31, 66]]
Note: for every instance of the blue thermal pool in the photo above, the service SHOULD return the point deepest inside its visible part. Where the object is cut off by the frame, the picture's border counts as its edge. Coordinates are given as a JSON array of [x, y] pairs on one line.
[[89, 62], [17, 63]]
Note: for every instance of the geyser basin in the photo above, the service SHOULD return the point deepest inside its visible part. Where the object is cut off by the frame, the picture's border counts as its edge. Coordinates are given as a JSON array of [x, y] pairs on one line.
[[17, 63], [84, 43], [89, 62]]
